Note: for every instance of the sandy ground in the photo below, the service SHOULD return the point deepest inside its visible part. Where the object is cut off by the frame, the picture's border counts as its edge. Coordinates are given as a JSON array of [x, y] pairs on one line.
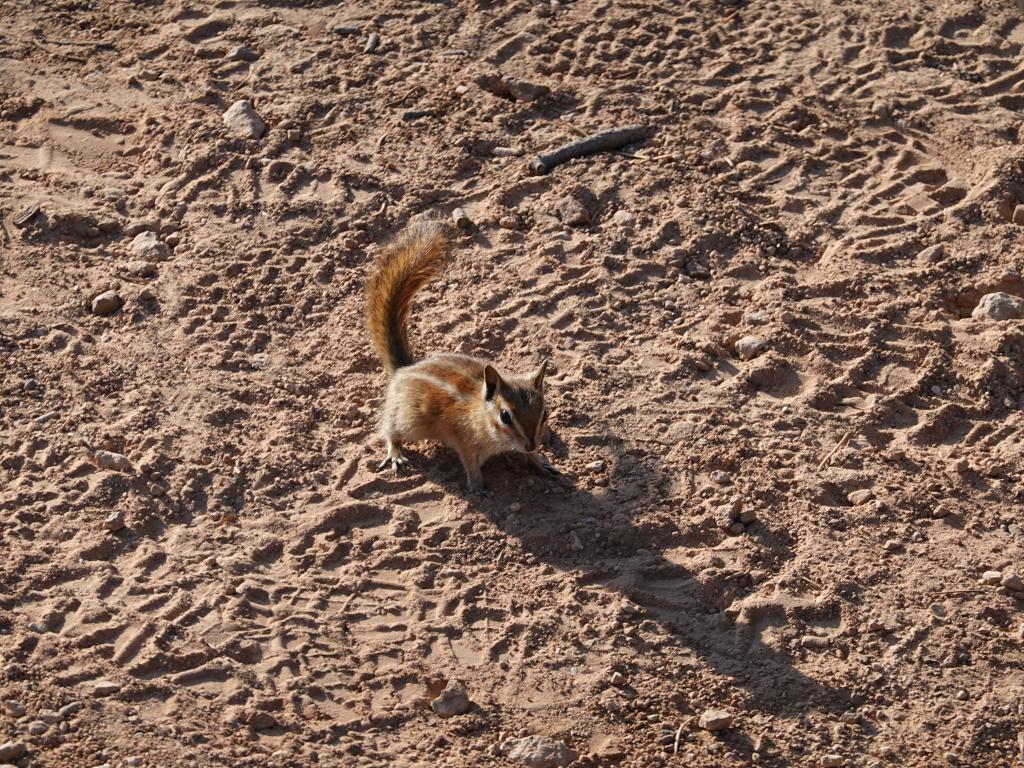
[[835, 179]]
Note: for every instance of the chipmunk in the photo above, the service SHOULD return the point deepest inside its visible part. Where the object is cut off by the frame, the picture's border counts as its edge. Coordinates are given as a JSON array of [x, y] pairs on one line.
[[458, 400]]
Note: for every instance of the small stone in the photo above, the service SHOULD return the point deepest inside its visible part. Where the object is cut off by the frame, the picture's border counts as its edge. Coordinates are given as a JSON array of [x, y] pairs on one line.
[[522, 90], [891, 545], [720, 477], [1018, 215], [242, 120], [814, 642], [141, 268], [999, 306], [15, 708], [156, 489], [69, 709], [596, 466], [372, 43], [623, 219], [1012, 582], [715, 720], [50, 717], [991, 578], [452, 701], [514, 507], [539, 752], [572, 212], [107, 303], [941, 511], [148, 246], [112, 461], [258, 719], [831, 761], [750, 347], [931, 254], [294, 134], [862, 496], [114, 522], [747, 516], [149, 75], [725, 515], [737, 528], [105, 688], [507, 152], [617, 679], [133, 762], [241, 53], [37, 728], [12, 750]]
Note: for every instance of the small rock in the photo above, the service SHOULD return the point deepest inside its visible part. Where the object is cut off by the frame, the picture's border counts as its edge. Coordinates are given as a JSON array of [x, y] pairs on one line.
[[891, 545], [596, 466], [572, 212], [623, 219], [1018, 215], [133, 762], [862, 496], [992, 578], [12, 750], [941, 511], [999, 306], [750, 347], [148, 246], [141, 268], [241, 53], [156, 489], [747, 516], [37, 728], [831, 761], [617, 679], [539, 752], [114, 522], [112, 461], [50, 717], [294, 134], [737, 528], [1012, 582], [720, 477], [931, 254], [507, 152], [258, 719], [715, 720], [514, 507], [15, 708], [452, 701], [242, 120], [814, 642], [725, 515], [105, 688], [107, 303], [372, 43], [69, 709], [522, 90]]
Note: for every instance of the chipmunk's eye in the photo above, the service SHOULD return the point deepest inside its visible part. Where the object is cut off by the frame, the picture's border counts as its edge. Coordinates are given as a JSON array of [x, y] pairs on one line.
[[506, 418]]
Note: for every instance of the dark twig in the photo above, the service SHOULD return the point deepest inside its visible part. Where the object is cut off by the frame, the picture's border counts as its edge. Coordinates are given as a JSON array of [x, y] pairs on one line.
[[87, 43], [605, 141]]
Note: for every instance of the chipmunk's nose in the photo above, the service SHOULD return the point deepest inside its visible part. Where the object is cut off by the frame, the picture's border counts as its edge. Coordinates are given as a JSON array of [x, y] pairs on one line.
[[531, 445]]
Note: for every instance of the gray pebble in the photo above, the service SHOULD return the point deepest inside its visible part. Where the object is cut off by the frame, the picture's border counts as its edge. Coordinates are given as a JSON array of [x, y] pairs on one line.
[[241, 120], [107, 303], [12, 750]]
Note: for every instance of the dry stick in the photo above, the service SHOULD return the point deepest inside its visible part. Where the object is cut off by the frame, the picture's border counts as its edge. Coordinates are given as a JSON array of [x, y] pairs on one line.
[[89, 43], [605, 141], [842, 442]]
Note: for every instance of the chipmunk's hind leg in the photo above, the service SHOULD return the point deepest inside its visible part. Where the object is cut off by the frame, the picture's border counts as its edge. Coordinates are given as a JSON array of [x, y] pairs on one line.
[[396, 458]]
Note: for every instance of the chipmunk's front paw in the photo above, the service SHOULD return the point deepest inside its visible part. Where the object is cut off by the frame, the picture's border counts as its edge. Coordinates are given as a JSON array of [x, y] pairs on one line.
[[398, 462], [544, 466]]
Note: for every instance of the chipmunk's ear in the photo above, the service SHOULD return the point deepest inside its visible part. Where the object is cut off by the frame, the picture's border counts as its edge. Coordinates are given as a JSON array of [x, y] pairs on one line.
[[492, 382], [538, 377]]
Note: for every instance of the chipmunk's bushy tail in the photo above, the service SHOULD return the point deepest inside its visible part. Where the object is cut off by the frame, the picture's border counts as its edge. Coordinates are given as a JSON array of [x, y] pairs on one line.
[[405, 265]]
